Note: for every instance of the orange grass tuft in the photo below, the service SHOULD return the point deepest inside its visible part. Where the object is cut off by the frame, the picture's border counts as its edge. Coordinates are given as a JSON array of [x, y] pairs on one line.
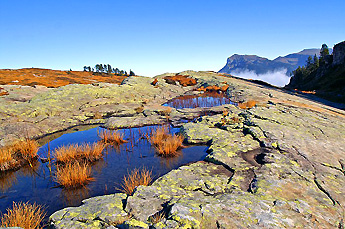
[[111, 137], [23, 215], [73, 175], [158, 135], [6, 158], [27, 149], [134, 179], [165, 143], [169, 146], [92, 152], [77, 152], [67, 153]]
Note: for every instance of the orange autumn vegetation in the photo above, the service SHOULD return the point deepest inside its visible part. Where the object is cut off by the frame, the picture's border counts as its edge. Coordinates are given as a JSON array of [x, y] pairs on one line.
[[7, 160], [27, 148], [183, 80], [247, 105], [111, 137], [17, 154], [24, 215], [53, 78], [166, 144], [214, 88], [73, 175], [134, 179], [75, 152]]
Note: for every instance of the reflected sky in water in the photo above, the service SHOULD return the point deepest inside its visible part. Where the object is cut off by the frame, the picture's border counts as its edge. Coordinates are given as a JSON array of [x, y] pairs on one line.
[[37, 184]]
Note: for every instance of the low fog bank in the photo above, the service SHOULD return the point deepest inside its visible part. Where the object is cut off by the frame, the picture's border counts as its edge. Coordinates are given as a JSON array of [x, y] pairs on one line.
[[278, 78]]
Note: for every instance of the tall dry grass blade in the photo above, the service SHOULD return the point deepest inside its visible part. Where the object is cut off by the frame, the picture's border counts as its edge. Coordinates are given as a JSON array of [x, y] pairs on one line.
[[73, 175], [135, 178], [23, 215]]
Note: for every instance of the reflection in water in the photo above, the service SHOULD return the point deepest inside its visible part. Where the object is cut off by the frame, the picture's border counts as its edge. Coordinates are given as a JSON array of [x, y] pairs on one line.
[[73, 197], [31, 171], [37, 183], [207, 99], [7, 179], [171, 162]]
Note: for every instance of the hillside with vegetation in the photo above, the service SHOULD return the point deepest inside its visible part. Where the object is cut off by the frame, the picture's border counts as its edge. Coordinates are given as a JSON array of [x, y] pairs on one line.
[[57, 78], [325, 75]]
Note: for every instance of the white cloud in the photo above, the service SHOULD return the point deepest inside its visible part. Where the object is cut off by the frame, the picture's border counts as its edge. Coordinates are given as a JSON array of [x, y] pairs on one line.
[[277, 78]]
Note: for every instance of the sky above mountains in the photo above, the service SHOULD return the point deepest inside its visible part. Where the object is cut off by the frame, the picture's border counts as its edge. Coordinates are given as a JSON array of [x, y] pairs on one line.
[[154, 37]]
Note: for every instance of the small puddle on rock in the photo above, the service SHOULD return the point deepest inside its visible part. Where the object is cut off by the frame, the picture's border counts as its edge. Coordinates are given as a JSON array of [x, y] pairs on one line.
[[37, 184], [207, 99]]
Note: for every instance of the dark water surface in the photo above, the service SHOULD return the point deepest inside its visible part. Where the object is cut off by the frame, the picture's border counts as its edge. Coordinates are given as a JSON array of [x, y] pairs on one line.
[[37, 184], [207, 99]]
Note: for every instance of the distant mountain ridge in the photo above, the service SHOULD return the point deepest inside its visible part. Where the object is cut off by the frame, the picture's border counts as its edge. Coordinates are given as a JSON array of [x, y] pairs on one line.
[[260, 65]]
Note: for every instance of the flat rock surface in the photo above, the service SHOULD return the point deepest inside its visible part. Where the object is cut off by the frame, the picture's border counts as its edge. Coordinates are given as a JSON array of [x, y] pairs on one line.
[[279, 164]]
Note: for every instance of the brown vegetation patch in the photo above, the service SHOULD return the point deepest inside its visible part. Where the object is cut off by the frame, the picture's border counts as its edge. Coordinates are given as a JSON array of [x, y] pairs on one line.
[[54, 78], [3, 93], [183, 80], [214, 88], [85, 152], [73, 175], [27, 148], [167, 145], [247, 105], [23, 215], [134, 179], [16, 155]]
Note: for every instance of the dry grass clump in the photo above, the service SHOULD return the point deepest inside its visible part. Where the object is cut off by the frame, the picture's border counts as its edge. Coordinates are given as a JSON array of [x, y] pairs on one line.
[[67, 153], [169, 146], [75, 152], [73, 175], [134, 179], [6, 158], [111, 137], [12, 157], [214, 88], [165, 143], [27, 149], [183, 80], [92, 152], [23, 215], [247, 105]]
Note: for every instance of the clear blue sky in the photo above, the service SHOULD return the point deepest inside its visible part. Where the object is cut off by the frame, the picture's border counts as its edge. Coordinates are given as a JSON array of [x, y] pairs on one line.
[[156, 36]]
